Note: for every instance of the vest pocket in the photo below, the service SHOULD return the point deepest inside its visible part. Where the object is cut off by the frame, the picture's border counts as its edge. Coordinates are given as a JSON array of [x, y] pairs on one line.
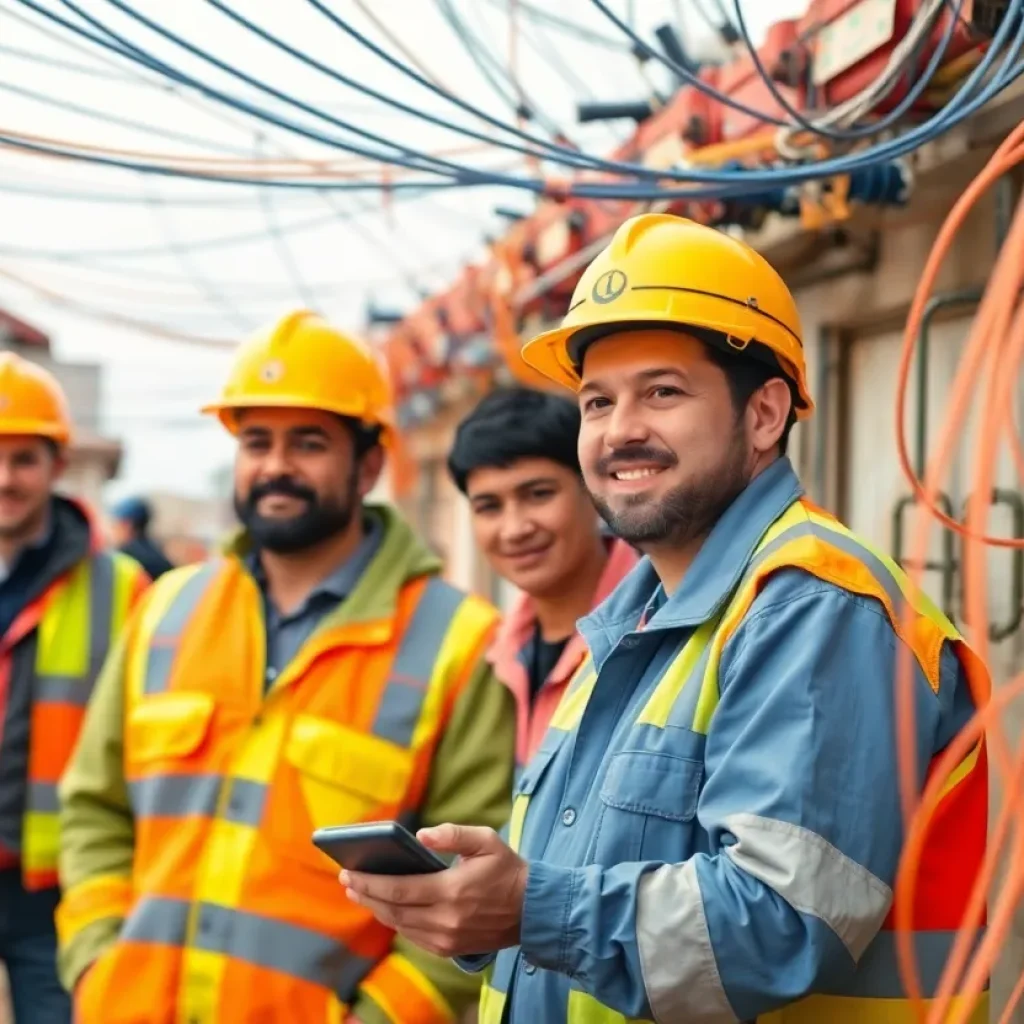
[[649, 807], [168, 726], [346, 776]]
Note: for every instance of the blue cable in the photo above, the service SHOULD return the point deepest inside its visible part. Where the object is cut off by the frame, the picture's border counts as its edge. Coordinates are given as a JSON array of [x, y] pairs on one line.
[[693, 175], [129, 51], [366, 90], [850, 134], [406, 162], [726, 184]]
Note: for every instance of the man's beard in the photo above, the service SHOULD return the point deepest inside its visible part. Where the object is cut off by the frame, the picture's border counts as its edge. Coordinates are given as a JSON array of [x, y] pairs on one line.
[[321, 519], [686, 513]]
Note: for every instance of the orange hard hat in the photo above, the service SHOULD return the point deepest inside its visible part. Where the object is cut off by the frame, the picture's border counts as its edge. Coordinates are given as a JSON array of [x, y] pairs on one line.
[[659, 270], [301, 362], [31, 401]]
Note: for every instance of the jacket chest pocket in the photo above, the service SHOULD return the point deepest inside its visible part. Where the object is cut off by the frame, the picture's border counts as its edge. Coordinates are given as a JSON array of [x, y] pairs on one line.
[[344, 776], [648, 808]]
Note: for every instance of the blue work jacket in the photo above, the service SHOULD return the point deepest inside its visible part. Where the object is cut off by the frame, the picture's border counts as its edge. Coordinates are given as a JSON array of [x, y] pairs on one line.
[[763, 842]]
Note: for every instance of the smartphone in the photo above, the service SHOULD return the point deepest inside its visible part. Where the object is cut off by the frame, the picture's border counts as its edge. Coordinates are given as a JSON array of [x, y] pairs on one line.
[[377, 848]]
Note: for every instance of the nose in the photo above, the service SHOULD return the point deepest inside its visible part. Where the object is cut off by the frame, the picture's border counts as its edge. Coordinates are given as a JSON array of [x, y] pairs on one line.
[[6, 473], [624, 426], [275, 462], [516, 526]]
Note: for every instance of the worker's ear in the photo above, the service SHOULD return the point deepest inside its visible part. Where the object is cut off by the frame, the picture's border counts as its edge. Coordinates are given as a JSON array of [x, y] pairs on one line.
[[371, 465], [59, 459], [767, 414]]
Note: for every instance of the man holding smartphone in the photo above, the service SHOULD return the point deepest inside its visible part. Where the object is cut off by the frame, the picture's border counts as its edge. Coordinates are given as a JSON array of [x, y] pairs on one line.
[[319, 673], [711, 829]]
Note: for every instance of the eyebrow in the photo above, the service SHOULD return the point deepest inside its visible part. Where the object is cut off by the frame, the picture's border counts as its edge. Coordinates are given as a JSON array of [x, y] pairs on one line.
[[535, 481], [309, 432], [642, 375]]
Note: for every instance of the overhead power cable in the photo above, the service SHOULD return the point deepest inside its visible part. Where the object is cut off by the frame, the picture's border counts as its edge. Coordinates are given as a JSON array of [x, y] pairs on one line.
[[733, 183]]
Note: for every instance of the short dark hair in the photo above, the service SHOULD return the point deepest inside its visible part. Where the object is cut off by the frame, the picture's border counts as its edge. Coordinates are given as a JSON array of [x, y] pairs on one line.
[[745, 376], [365, 436], [513, 424]]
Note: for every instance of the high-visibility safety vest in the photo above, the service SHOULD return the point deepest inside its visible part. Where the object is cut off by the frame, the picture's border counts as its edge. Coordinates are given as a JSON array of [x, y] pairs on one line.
[[61, 640], [686, 696], [231, 914]]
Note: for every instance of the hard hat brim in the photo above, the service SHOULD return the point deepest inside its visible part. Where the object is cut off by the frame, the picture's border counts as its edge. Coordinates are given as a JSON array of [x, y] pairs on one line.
[[549, 353], [35, 428], [225, 410]]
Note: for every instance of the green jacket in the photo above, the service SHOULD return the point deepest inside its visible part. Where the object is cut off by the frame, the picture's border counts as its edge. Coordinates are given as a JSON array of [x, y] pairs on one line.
[[471, 782]]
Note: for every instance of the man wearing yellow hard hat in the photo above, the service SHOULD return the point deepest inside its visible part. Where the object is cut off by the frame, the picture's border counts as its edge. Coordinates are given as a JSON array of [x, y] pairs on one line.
[[63, 602], [319, 673], [710, 831]]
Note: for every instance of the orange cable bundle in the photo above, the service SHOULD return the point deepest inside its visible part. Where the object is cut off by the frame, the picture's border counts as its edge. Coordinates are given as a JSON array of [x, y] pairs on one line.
[[991, 360]]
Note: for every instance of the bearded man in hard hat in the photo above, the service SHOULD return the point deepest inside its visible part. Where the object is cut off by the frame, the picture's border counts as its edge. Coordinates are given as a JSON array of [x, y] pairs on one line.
[[710, 831], [320, 673], [63, 601]]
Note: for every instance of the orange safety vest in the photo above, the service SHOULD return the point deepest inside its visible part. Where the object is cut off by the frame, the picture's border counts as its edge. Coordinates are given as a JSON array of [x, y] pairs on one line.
[[75, 622], [807, 538], [231, 914]]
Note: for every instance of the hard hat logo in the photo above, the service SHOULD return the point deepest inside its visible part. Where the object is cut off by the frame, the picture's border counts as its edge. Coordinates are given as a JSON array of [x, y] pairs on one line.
[[609, 286], [272, 372]]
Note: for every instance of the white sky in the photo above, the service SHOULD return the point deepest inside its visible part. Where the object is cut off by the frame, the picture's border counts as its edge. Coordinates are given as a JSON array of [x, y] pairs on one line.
[[129, 247]]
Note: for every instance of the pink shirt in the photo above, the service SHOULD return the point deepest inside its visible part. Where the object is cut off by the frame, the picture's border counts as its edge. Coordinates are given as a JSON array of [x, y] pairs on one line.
[[514, 634]]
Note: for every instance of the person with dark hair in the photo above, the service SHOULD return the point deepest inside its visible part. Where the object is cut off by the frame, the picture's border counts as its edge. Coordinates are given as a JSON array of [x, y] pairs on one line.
[[130, 519], [320, 672], [712, 829], [514, 458]]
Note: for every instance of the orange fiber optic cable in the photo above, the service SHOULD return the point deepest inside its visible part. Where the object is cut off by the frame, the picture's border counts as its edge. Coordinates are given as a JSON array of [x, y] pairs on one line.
[[992, 358]]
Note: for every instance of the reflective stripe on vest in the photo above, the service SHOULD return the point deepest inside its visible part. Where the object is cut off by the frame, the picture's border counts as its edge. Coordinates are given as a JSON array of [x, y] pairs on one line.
[[223, 805], [81, 618], [164, 643]]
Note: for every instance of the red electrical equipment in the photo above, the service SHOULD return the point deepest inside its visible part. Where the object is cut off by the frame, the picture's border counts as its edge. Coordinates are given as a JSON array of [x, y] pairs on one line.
[[561, 231], [783, 56], [689, 120], [851, 42]]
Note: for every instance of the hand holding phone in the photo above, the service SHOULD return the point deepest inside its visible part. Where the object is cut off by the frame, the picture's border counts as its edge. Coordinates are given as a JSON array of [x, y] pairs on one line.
[[377, 848]]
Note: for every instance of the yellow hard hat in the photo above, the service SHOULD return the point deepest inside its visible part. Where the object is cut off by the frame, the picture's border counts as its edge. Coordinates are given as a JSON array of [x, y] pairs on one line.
[[31, 401], [660, 270], [301, 362]]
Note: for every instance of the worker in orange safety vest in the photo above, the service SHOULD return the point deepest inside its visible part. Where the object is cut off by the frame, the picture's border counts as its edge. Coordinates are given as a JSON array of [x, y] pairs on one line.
[[319, 673], [63, 601]]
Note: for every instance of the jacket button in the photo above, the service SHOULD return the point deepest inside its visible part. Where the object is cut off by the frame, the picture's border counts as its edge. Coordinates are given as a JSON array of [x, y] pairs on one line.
[[529, 968], [569, 817]]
